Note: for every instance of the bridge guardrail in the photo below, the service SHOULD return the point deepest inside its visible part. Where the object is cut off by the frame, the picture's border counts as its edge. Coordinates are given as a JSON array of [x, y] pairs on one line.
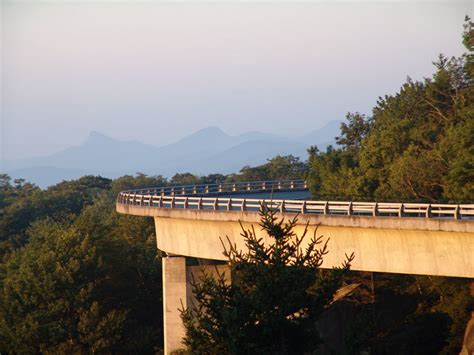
[[181, 197], [224, 187]]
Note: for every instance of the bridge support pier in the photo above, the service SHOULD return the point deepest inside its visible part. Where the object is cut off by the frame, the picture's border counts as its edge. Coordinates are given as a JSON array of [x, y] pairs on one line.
[[174, 292], [178, 272]]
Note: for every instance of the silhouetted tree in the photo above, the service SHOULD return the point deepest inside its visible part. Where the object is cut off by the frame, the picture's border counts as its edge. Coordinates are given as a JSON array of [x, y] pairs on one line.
[[275, 296]]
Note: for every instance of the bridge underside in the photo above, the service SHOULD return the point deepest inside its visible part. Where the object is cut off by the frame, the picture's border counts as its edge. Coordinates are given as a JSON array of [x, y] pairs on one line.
[[422, 252], [396, 245]]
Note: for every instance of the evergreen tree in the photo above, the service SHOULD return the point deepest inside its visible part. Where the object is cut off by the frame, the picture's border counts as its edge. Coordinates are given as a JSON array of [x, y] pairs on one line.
[[274, 299], [50, 296]]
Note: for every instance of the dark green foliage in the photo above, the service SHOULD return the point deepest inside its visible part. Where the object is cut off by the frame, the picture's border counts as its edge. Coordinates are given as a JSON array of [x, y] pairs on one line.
[[212, 179], [354, 131], [276, 295], [83, 283], [417, 334], [50, 297], [140, 181], [278, 168], [133, 266], [24, 204], [285, 167], [10, 192], [452, 298], [185, 179], [332, 174], [417, 146], [405, 314]]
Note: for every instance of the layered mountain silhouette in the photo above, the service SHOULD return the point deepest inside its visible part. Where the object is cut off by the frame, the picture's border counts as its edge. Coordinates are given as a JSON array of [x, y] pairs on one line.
[[209, 150]]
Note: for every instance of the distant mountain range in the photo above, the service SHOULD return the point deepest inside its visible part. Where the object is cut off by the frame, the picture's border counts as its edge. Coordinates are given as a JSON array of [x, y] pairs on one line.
[[209, 150]]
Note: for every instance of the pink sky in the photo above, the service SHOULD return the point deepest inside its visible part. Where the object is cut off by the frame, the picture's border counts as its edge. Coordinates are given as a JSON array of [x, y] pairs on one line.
[[157, 71]]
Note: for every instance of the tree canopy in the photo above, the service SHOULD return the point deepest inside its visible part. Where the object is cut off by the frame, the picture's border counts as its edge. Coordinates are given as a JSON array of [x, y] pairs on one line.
[[81, 282], [418, 145]]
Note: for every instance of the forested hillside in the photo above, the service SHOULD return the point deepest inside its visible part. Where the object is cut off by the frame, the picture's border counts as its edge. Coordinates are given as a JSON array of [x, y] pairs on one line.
[[418, 145], [76, 277]]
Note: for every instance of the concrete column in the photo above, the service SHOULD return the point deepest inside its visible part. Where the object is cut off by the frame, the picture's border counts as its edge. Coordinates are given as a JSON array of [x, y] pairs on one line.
[[177, 292], [174, 292]]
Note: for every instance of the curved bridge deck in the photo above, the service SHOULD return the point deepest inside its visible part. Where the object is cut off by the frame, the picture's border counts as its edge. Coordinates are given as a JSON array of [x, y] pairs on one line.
[[287, 196], [411, 238]]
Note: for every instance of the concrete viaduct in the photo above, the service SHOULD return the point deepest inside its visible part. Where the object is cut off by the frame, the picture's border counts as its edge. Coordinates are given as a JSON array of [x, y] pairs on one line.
[[407, 238]]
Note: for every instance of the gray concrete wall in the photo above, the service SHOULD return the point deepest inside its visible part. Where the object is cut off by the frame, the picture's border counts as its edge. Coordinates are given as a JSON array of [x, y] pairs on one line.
[[425, 246], [376, 249]]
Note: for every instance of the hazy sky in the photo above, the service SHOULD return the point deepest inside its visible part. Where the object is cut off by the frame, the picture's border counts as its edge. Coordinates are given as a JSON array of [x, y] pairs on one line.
[[156, 71]]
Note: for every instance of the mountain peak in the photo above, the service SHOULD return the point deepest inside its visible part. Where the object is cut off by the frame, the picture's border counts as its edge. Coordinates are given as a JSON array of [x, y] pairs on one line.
[[322, 136], [211, 132], [211, 129], [95, 136]]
